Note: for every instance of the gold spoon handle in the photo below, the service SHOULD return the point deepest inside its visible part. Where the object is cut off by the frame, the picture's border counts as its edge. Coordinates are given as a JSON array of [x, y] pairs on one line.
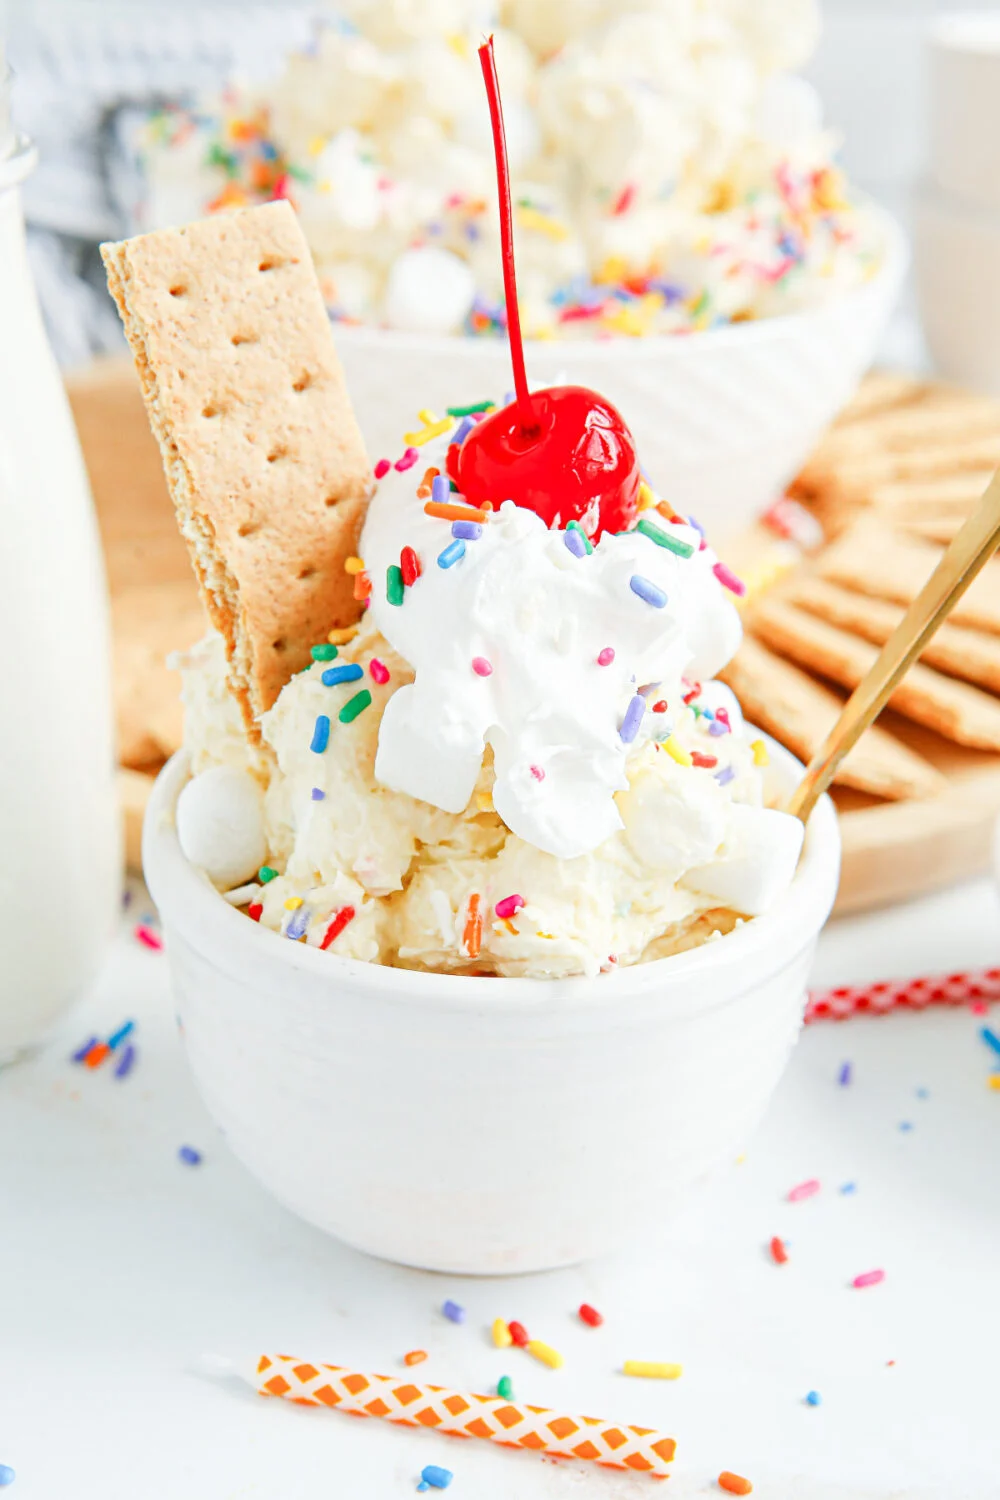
[[970, 550]]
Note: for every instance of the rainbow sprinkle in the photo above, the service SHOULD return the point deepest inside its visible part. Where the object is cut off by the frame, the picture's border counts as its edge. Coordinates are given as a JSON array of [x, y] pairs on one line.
[[633, 718], [677, 752], [336, 927], [647, 591], [472, 935], [452, 554], [729, 580], [647, 1369], [466, 531], [355, 706], [545, 1354], [664, 539], [577, 530], [298, 923], [469, 411], [349, 672], [443, 511], [432, 430], [321, 733]]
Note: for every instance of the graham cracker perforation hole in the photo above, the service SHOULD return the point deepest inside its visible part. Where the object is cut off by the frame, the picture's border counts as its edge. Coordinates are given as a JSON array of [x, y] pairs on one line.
[[275, 262], [276, 454], [243, 338], [303, 383], [331, 501], [279, 645], [307, 572], [247, 528], [178, 290], [211, 411]]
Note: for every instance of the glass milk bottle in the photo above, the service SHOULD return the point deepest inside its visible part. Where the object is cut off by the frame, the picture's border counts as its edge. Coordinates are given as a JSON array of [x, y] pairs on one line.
[[60, 849]]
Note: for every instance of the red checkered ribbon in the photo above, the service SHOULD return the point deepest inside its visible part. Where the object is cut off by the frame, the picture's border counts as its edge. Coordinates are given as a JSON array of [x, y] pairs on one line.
[[905, 994]]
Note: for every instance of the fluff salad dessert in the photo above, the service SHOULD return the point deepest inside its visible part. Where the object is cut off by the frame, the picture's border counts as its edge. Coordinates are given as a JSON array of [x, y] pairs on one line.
[[671, 172], [518, 764]]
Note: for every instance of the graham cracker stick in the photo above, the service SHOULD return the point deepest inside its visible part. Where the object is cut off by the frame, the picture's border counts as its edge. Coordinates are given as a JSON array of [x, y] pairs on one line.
[[874, 559], [971, 654], [953, 709], [262, 454], [799, 712]]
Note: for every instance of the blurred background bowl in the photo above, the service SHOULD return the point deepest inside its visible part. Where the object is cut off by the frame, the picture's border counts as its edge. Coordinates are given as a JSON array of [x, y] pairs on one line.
[[963, 105], [957, 265], [723, 418]]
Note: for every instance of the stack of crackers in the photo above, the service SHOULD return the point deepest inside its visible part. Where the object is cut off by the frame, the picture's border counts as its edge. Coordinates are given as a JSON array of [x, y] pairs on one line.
[[890, 483]]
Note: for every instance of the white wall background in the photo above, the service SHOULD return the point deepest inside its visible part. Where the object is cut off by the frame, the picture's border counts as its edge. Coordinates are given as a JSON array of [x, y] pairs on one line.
[[871, 71]]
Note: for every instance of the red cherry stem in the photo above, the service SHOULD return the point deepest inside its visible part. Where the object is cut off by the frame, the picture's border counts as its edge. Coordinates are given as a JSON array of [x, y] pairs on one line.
[[486, 58]]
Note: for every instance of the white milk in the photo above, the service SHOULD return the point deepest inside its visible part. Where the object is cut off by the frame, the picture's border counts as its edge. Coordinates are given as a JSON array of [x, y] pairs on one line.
[[60, 850]]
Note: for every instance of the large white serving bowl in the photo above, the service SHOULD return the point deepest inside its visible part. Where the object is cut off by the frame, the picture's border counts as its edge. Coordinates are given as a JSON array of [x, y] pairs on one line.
[[723, 419], [483, 1125]]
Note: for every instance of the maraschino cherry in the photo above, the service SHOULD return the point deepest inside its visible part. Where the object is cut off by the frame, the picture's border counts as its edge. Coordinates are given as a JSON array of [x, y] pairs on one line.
[[563, 452]]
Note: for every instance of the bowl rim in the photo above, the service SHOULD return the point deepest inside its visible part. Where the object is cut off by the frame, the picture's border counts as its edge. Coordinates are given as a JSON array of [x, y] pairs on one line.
[[191, 905], [889, 275]]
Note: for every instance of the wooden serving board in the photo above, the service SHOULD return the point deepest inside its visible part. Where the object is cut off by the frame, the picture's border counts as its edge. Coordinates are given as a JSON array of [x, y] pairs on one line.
[[891, 850]]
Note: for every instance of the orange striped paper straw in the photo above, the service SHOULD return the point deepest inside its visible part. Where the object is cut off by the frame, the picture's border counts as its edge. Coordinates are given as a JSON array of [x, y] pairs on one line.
[[398, 1399]]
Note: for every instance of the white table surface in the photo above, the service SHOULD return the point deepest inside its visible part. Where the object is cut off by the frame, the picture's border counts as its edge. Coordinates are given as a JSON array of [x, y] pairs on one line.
[[120, 1268]]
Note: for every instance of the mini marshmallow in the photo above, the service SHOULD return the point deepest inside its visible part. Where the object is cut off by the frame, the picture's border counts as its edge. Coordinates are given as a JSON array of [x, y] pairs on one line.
[[220, 825], [429, 291], [756, 863]]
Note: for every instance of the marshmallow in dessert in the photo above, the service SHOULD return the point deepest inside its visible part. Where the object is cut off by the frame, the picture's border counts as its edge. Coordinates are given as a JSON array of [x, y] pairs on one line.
[[220, 825]]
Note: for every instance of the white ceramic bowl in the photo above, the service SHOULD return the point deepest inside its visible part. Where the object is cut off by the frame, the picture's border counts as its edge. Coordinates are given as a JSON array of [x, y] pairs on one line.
[[482, 1125], [957, 264], [723, 419]]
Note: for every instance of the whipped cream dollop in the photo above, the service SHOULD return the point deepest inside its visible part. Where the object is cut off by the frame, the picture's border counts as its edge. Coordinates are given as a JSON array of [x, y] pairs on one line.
[[546, 649]]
